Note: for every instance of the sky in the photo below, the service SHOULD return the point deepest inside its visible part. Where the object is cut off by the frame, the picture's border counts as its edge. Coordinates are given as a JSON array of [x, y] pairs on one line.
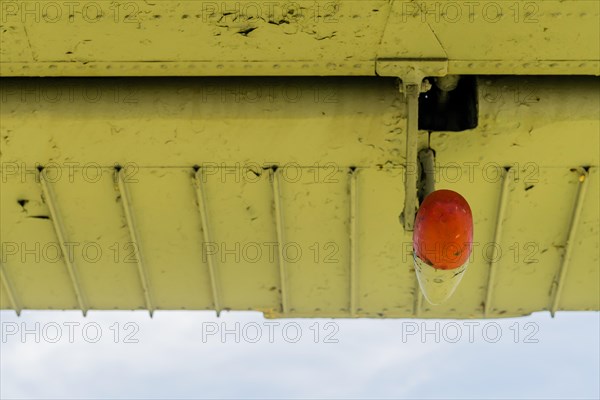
[[187, 355]]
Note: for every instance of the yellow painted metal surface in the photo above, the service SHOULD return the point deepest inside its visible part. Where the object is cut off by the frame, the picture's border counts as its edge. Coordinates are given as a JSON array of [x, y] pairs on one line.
[[319, 236], [349, 37]]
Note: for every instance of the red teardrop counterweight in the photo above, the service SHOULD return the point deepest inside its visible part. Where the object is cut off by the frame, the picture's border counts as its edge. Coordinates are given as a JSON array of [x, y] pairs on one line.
[[442, 243], [443, 235]]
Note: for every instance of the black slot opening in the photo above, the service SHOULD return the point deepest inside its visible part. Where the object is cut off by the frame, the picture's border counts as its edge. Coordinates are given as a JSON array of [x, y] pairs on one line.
[[454, 111]]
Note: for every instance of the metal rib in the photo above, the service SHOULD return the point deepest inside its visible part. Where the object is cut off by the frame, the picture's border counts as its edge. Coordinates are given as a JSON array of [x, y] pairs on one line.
[[412, 144], [581, 190], [353, 241], [133, 234], [201, 200], [487, 306], [10, 291], [275, 180], [56, 218]]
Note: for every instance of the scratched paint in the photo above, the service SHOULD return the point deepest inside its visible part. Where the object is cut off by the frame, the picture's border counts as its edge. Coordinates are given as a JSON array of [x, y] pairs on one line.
[[171, 128]]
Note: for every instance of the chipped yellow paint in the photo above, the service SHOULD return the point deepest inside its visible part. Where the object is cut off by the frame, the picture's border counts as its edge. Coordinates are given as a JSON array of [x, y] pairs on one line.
[[515, 112], [300, 121], [349, 37], [161, 132]]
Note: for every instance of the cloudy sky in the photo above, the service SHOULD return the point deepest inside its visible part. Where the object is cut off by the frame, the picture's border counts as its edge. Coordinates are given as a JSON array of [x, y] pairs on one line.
[[186, 355]]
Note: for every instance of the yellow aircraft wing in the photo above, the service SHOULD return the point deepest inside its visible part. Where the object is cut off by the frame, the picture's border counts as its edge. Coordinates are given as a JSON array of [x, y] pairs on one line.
[[283, 192]]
